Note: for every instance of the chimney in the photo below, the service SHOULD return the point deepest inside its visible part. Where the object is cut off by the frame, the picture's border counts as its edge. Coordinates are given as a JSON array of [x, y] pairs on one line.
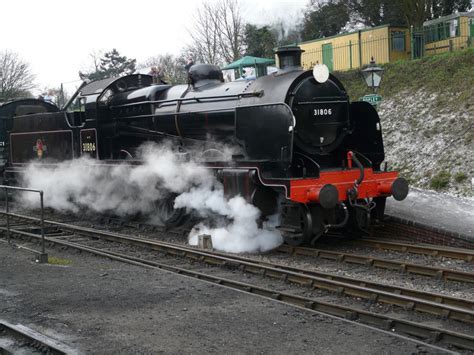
[[289, 57]]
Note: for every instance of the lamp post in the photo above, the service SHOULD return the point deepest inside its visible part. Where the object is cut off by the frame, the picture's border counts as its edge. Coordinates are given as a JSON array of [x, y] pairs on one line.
[[373, 75]]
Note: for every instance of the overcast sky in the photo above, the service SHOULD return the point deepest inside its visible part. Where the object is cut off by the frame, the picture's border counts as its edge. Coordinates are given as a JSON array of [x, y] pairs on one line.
[[57, 36]]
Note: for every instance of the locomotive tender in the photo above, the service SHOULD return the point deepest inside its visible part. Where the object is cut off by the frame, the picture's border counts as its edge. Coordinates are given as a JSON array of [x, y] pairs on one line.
[[306, 152]]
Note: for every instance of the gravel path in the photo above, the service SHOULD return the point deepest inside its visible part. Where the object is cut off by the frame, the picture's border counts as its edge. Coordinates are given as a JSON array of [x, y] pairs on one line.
[[101, 306]]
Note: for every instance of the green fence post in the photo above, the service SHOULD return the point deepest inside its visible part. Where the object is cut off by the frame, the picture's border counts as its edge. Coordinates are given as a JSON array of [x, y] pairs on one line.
[[350, 54], [471, 31], [360, 49], [412, 43]]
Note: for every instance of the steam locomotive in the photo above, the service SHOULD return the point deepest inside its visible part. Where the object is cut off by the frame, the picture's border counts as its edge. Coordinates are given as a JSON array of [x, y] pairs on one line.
[[305, 152]]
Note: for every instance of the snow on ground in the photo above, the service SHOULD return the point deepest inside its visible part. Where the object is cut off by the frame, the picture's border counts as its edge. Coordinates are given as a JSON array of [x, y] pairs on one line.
[[436, 209], [424, 135]]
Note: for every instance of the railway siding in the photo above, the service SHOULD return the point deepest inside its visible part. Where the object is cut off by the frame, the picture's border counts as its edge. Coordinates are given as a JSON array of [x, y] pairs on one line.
[[357, 291]]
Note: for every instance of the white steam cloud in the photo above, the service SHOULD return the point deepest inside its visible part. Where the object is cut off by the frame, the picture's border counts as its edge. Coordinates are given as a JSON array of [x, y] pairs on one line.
[[238, 231], [87, 185], [121, 189]]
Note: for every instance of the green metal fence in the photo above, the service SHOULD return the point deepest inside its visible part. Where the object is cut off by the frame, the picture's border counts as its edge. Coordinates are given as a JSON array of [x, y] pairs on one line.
[[352, 54], [441, 36], [397, 44]]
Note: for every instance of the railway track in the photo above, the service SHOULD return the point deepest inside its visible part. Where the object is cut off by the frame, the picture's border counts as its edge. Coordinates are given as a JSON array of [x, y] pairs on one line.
[[402, 266], [423, 249], [444, 306], [18, 339], [368, 261], [402, 247]]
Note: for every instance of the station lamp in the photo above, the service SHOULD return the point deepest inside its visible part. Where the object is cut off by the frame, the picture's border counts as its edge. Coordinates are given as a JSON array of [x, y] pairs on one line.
[[373, 75]]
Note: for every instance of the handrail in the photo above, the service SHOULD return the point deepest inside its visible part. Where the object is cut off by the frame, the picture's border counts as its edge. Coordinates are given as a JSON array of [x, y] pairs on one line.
[[43, 257], [196, 99]]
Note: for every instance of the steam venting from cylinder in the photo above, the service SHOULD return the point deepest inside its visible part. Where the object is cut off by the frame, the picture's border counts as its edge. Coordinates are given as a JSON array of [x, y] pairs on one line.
[[289, 57], [85, 185]]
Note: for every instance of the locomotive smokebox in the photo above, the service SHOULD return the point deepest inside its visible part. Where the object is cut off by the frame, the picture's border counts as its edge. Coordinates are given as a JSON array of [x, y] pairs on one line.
[[289, 58]]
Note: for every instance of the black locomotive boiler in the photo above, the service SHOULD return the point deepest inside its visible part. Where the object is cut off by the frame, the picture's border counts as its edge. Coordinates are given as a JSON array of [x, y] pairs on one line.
[[304, 150]]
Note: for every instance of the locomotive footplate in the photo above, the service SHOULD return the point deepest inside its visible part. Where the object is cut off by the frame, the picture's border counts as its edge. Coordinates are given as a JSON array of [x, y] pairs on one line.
[[337, 200], [374, 184]]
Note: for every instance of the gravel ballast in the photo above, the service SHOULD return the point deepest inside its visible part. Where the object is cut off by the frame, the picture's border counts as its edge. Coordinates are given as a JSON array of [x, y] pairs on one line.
[[101, 306]]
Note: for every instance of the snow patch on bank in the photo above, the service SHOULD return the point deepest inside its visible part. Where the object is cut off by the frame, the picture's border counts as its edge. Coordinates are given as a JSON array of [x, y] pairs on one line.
[[423, 135]]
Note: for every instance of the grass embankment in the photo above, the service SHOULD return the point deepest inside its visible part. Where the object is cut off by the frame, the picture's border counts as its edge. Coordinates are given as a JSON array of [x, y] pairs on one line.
[[427, 113], [442, 73]]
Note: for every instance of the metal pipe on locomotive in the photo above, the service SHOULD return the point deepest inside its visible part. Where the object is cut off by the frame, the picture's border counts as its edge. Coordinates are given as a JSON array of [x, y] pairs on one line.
[[305, 151]]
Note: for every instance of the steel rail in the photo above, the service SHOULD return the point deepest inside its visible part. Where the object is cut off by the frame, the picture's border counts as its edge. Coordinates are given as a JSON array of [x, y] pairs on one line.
[[428, 296], [397, 290], [302, 277], [398, 265], [424, 249], [34, 339], [381, 321], [420, 249]]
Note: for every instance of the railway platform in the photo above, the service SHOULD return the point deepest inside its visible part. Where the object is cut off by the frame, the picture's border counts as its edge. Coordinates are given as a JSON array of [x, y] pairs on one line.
[[436, 210]]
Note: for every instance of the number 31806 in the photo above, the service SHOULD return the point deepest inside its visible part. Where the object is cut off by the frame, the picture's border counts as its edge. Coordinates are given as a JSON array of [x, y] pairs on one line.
[[322, 111]]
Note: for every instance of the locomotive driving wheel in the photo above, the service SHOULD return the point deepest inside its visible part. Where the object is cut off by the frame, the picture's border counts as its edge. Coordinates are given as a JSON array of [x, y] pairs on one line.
[[301, 224], [170, 216]]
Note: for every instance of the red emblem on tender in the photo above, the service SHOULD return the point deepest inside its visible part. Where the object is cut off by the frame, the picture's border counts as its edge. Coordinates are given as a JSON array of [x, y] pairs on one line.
[[39, 148]]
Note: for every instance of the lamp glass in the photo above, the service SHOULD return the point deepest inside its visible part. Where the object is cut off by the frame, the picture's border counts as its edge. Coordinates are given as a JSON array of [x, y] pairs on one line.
[[368, 78], [372, 78], [376, 79]]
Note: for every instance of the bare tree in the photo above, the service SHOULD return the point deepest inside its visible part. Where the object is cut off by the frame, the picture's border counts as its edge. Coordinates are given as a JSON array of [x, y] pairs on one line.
[[231, 30], [218, 33], [415, 11], [16, 79], [204, 35], [110, 64], [95, 56], [170, 67]]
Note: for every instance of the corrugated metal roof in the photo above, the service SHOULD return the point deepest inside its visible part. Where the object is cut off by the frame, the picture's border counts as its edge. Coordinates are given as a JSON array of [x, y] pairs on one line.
[[449, 17], [96, 87]]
